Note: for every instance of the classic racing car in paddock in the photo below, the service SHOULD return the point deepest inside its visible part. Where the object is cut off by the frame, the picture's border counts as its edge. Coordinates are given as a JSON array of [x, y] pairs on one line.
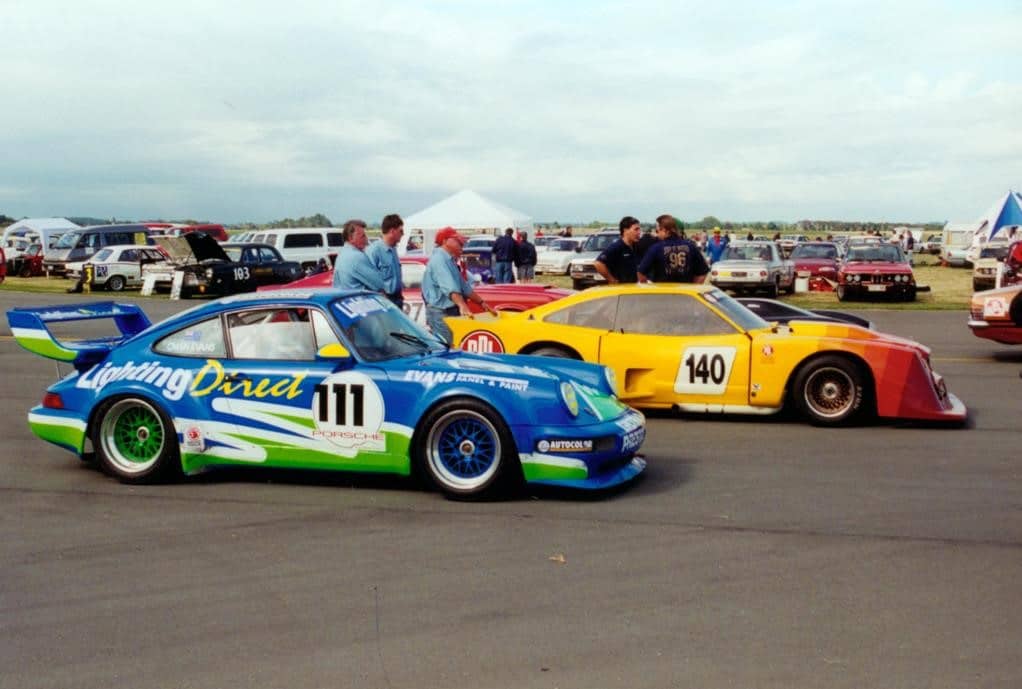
[[996, 314], [325, 380], [695, 349]]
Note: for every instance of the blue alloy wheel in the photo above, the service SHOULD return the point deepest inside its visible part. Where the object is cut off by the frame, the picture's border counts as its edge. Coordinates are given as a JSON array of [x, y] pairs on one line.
[[464, 449]]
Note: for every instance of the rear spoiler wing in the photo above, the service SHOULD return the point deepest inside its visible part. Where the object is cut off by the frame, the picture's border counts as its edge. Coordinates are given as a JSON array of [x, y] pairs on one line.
[[31, 328]]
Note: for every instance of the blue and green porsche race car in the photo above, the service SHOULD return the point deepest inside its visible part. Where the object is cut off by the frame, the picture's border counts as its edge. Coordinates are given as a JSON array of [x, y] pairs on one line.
[[323, 380]]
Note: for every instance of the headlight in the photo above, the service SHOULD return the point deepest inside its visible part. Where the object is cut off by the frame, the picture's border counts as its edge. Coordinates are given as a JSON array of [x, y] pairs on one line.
[[569, 398], [209, 273], [611, 379]]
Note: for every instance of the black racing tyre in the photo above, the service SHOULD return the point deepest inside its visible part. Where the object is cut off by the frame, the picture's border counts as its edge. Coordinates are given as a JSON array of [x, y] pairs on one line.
[[830, 391], [467, 451], [774, 289], [555, 352], [910, 295], [26, 271], [135, 441], [577, 285], [115, 283], [842, 294]]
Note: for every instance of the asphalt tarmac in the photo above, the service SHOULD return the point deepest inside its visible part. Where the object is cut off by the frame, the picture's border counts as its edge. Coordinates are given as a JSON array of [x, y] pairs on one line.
[[753, 553]]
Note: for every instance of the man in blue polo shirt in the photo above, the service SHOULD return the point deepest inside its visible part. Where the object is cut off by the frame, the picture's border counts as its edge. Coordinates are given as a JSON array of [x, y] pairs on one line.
[[383, 255], [353, 270], [444, 290]]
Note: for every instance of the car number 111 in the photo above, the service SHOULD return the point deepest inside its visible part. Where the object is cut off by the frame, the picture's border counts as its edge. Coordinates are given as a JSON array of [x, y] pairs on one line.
[[704, 370]]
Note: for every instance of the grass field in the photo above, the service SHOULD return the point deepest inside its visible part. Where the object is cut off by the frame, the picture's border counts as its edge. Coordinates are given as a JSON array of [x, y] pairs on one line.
[[950, 289]]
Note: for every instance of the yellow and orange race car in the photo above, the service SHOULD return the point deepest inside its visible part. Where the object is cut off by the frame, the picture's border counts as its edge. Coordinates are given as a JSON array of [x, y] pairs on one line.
[[695, 349]]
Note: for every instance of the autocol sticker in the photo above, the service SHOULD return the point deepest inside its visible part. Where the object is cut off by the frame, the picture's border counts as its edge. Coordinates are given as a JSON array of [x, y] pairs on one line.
[[348, 410], [482, 342], [704, 370], [565, 445]]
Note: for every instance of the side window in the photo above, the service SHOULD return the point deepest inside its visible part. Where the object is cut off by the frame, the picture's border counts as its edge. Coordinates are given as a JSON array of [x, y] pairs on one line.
[[276, 334], [258, 238], [203, 339], [303, 240], [594, 313], [270, 239], [249, 255], [668, 314], [267, 255], [325, 335], [129, 255], [334, 239]]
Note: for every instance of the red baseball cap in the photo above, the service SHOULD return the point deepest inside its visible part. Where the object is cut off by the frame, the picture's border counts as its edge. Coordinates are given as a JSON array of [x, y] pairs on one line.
[[449, 233]]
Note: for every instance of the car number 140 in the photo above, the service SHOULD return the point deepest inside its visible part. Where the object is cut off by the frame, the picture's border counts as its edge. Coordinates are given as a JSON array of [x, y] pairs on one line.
[[704, 370]]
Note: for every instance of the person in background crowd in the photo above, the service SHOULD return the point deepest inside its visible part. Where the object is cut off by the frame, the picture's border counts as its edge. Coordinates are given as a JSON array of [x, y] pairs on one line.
[[617, 263], [504, 251], [539, 232], [909, 244], [750, 236], [525, 259], [444, 289], [383, 255], [673, 258], [353, 269], [647, 240], [566, 232], [716, 246]]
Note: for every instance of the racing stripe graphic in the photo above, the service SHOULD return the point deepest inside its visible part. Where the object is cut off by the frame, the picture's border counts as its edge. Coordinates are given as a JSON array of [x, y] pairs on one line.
[[64, 431], [541, 467], [290, 441], [39, 341]]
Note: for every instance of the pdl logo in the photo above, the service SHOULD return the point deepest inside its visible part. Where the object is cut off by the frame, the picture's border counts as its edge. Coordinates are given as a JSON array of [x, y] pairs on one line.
[[482, 342]]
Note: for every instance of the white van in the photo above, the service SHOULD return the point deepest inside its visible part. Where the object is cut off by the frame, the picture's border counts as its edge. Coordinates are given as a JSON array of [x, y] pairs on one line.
[[305, 245]]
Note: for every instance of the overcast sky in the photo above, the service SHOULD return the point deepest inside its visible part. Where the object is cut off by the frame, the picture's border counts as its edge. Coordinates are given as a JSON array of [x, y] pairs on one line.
[[897, 110]]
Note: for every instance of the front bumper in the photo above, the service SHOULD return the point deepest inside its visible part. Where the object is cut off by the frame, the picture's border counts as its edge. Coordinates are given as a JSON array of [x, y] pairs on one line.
[[879, 288], [586, 276], [591, 457]]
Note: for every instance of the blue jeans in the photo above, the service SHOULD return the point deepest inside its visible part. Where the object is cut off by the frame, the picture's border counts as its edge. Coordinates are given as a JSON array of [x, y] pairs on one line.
[[435, 321], [502, 274]]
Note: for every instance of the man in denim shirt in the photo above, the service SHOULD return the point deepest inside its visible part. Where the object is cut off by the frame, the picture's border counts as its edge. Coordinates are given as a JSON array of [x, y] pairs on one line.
[[383, 255], [353, 270], [444, 289]]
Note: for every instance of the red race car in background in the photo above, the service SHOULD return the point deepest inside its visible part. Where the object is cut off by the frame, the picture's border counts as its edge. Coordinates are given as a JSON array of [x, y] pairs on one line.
[[513, 297]]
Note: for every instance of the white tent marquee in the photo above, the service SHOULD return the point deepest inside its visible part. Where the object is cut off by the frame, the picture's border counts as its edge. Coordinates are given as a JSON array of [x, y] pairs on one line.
[[464, 211], [46, 228]]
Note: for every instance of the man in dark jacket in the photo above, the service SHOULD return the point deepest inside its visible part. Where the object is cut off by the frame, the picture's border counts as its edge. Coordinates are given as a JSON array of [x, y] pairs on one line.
[[525, 259], [504, 250]]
